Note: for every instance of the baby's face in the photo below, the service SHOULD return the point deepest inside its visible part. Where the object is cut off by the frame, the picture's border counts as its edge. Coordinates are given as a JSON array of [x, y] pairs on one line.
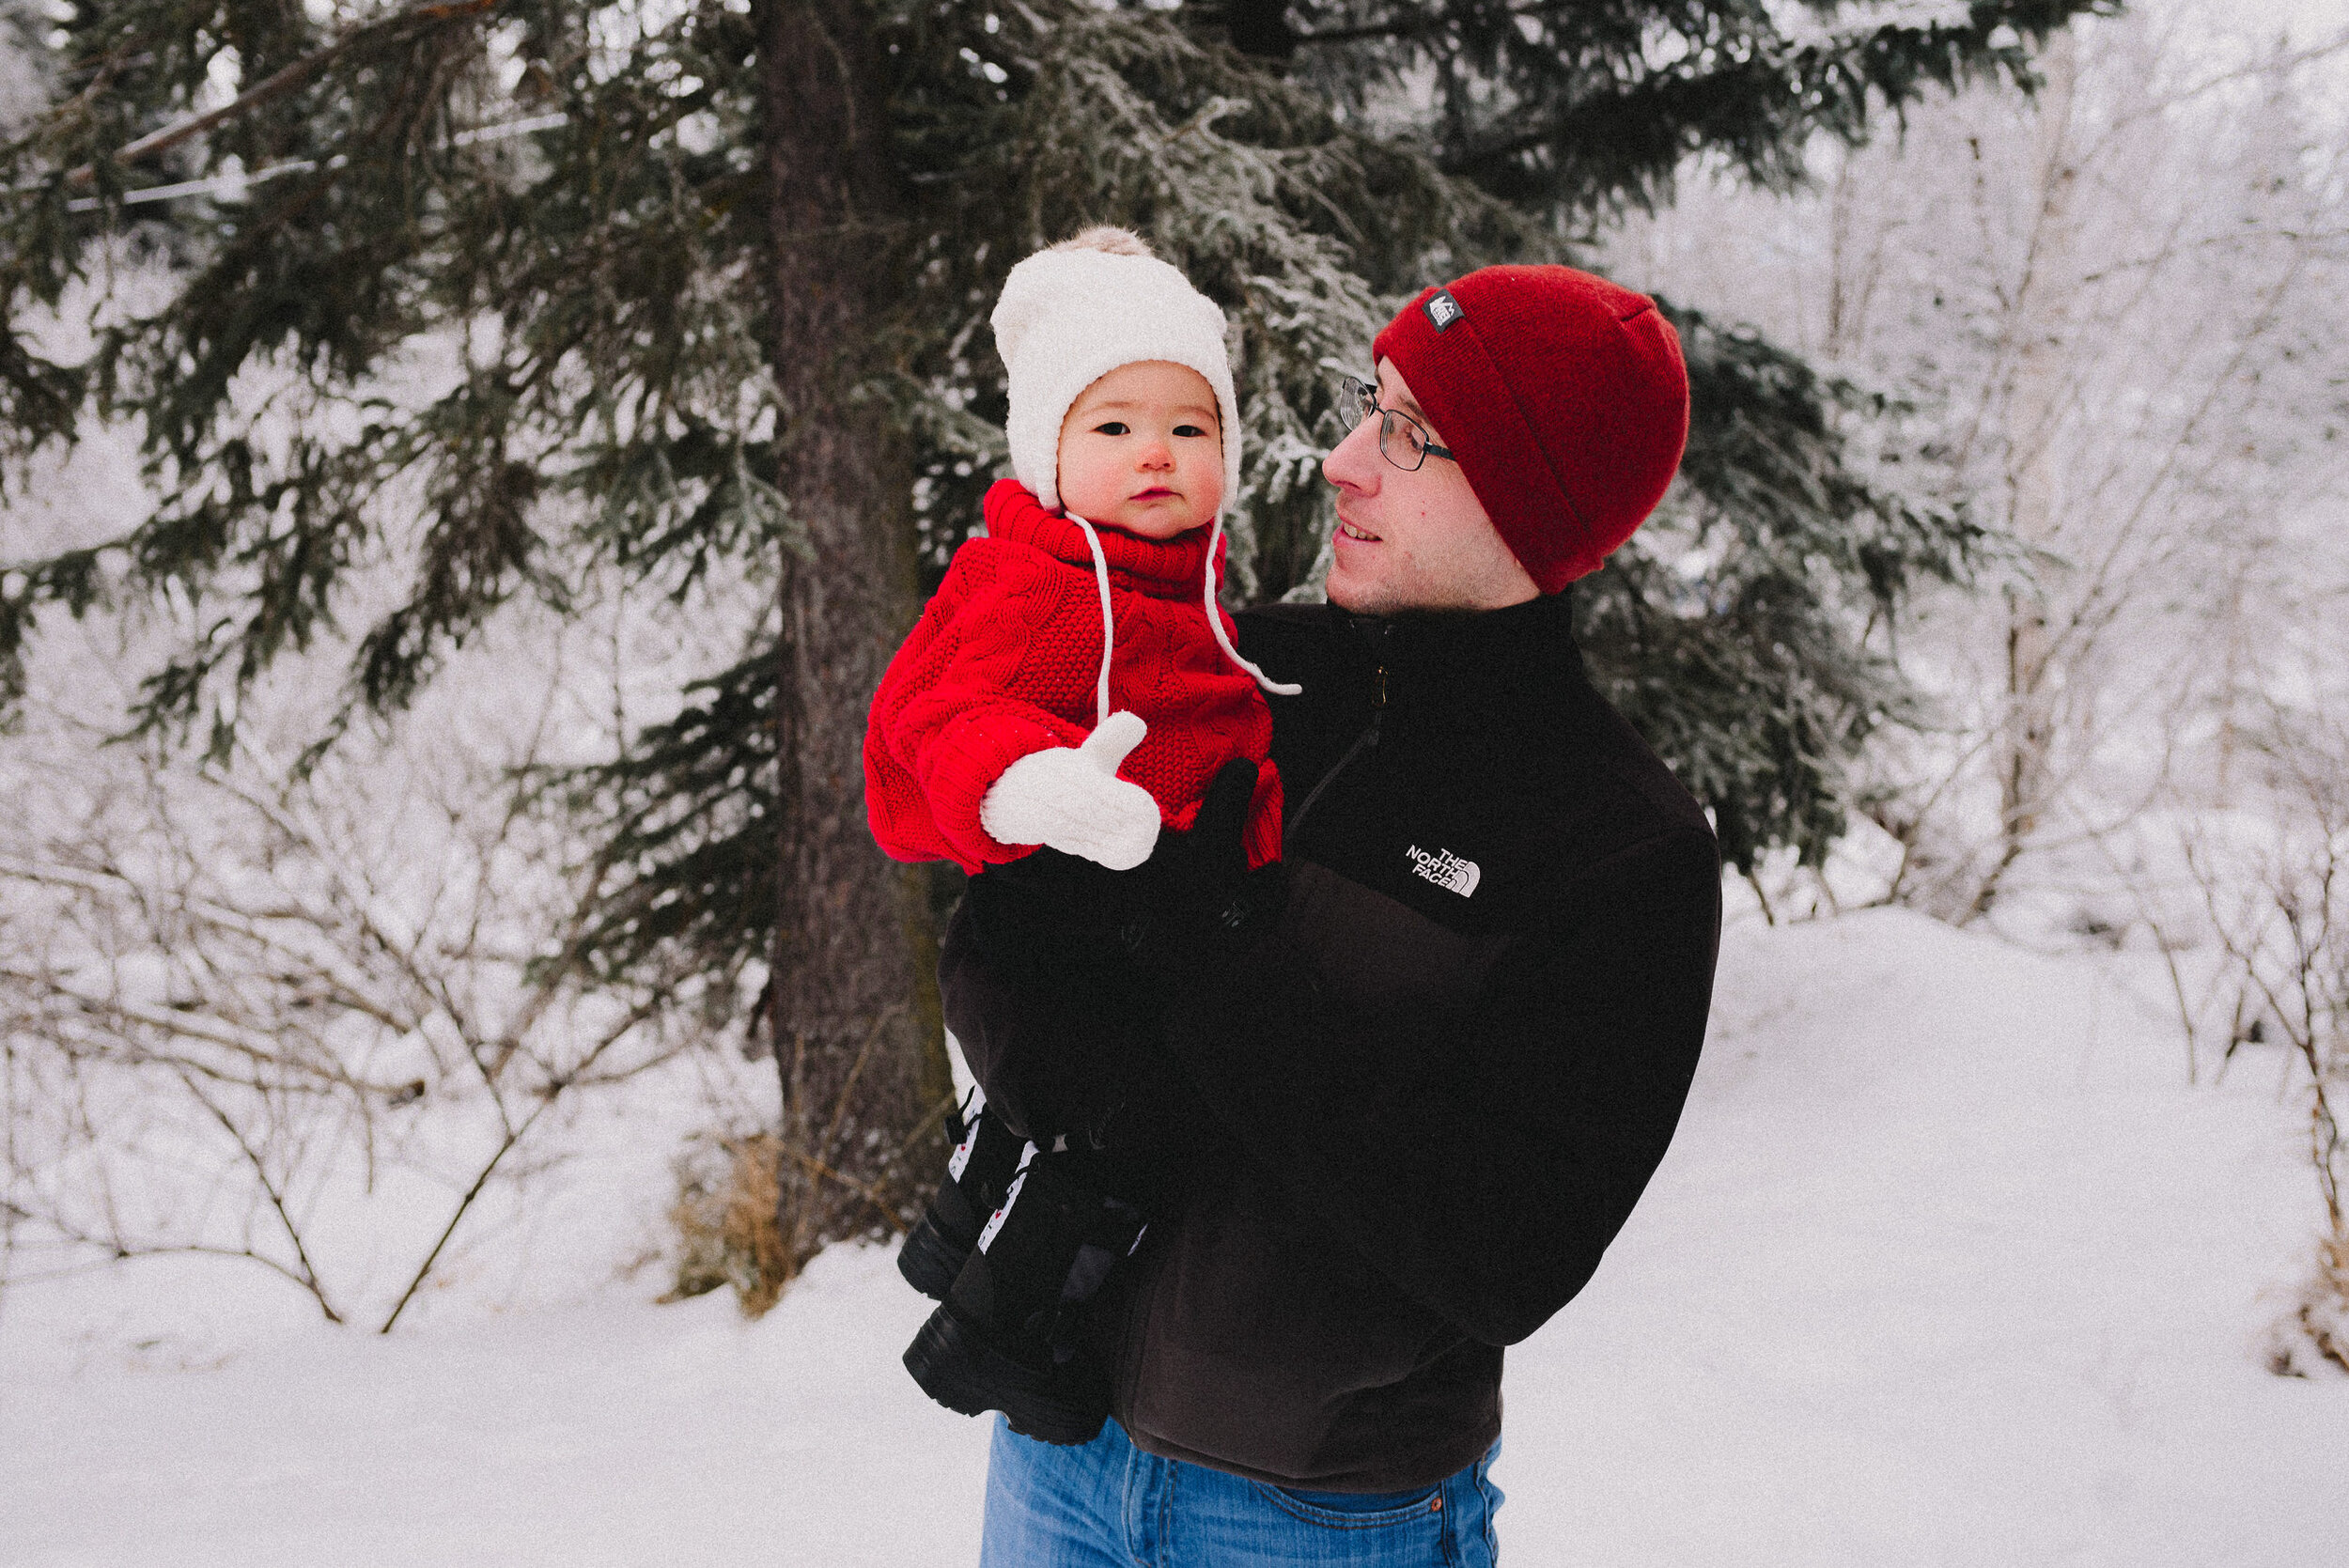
[[1141, 450]]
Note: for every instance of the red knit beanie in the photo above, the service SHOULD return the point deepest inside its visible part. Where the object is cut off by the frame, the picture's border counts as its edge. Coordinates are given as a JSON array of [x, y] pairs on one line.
[[1563, 397]]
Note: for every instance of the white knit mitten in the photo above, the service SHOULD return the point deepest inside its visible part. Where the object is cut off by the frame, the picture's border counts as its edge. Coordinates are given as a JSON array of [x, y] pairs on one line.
[[1071, 799]]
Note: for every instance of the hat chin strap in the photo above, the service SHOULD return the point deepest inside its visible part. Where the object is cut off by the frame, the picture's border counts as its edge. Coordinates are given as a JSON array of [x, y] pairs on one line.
[[1215, 620], [1109, 623]]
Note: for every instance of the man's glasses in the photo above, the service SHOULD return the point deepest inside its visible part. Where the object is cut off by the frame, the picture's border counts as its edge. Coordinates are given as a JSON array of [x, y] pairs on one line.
[[1402, 439]]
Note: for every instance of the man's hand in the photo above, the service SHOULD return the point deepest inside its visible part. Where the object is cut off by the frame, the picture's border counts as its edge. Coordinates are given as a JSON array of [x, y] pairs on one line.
[[1071, 799], [1198, 899]]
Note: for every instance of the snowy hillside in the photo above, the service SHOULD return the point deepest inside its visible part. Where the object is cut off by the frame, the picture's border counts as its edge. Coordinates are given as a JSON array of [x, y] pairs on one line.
[[1947, 1266]]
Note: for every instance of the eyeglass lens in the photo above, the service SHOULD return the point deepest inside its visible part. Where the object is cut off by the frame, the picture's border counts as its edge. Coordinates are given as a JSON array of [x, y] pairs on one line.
[[1400, 440]]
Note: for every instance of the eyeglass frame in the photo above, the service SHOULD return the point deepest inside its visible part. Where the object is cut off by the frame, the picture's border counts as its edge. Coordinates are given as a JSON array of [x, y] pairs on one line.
[[1365, 394]]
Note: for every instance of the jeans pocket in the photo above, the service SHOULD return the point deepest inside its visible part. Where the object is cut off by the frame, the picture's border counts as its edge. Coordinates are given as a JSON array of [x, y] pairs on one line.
[[1427, 1505]]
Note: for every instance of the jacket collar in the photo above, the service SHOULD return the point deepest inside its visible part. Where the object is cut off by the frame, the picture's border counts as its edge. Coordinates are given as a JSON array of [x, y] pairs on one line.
[[1163, 569], [1474, 662]]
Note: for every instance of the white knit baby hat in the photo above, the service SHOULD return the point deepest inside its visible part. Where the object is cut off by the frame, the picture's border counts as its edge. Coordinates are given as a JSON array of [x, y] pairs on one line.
[[1072, 313]]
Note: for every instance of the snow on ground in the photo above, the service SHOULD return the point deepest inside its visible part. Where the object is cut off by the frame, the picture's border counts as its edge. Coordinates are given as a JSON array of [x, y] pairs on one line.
[[1948, 1266]]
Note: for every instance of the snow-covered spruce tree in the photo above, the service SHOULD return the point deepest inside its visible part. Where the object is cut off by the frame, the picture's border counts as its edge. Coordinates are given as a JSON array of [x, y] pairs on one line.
[[497, 288]]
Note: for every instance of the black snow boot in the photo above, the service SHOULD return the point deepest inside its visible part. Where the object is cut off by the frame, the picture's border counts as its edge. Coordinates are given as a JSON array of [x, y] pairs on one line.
[[1004, 1337], [977, 1177]]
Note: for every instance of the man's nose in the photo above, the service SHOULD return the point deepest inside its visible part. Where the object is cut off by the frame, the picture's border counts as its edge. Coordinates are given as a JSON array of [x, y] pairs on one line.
[[1353, 463]]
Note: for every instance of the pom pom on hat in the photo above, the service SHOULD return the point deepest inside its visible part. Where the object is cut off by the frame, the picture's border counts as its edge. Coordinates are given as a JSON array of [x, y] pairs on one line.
[[1072, 313], [1564, 398]]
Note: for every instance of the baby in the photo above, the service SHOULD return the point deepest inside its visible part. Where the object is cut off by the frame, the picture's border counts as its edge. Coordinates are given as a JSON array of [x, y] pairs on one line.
[[1072, 687]]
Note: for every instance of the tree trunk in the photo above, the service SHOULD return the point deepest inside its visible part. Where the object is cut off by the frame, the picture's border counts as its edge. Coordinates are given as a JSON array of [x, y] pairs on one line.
[[856, 1026], [2037, 407]]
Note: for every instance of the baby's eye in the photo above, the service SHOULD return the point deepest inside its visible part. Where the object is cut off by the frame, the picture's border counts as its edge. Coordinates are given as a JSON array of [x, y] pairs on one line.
[[1113, 427], [1190, 430]]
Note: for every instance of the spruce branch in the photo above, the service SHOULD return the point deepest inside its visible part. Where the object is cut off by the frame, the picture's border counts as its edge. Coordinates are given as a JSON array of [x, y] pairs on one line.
[[287, 78]]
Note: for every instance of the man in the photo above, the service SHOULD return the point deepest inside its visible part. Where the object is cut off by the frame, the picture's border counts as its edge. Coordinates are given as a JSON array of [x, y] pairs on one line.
[[1416, 1077]]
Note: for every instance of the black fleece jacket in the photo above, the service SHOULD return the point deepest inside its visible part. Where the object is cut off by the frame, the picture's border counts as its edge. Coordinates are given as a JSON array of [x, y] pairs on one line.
[[1442, 1077]]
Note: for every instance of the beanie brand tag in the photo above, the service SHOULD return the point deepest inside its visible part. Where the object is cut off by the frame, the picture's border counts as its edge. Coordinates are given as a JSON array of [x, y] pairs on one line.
[[1442, 309]]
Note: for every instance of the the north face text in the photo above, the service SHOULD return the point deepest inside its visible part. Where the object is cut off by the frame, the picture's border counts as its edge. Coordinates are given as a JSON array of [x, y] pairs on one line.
[[1445, 869]]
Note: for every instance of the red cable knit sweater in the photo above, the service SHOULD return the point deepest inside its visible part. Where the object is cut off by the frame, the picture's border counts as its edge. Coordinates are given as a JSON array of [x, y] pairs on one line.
[[1005, 662]]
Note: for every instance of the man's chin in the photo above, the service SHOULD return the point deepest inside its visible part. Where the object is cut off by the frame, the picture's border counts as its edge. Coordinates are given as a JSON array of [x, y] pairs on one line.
[[1355, 596]]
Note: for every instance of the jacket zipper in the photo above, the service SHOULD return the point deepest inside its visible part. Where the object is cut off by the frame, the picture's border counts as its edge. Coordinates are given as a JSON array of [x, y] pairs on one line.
[[1366, 742]]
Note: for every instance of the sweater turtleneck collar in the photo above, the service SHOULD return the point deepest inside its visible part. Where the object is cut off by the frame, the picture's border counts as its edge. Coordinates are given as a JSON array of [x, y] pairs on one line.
[[1163, 569]]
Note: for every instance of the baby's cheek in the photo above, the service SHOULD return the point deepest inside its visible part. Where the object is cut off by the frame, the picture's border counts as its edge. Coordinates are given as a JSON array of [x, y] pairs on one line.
[[1079, 474], [1211, 487]]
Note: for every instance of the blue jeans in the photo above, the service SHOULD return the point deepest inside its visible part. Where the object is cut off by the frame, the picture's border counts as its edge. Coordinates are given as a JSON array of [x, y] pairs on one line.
[[1110, 1505]]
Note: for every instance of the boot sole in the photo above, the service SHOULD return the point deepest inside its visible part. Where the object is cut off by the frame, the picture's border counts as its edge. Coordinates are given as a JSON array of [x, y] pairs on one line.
[[929, 1260], [963, 1371]]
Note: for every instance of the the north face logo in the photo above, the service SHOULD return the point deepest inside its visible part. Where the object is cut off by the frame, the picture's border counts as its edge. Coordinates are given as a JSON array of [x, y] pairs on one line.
[[1445, 869], [1442, 309]]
